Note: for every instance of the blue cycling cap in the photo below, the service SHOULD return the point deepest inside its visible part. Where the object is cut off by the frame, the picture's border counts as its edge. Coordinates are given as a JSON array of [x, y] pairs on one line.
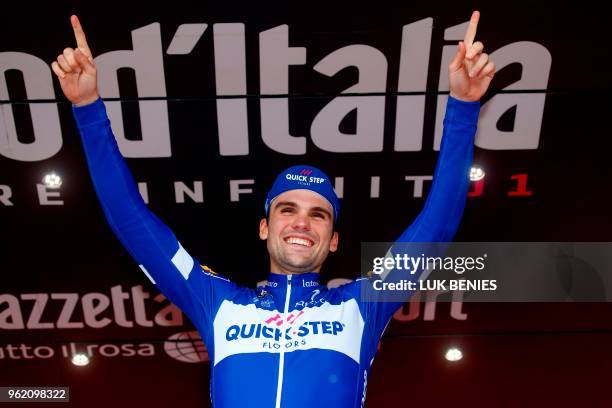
[[304, 178]]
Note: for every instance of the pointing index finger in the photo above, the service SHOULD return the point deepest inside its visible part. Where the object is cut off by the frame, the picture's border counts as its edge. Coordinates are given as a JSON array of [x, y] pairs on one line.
[[470, 34], [79, 34]]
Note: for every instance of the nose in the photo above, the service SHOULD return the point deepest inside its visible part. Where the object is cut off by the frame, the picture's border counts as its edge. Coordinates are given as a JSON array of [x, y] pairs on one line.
[[301, 222]]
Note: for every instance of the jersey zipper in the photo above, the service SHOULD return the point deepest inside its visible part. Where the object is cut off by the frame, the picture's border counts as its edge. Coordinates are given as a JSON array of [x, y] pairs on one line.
[[281, 359]]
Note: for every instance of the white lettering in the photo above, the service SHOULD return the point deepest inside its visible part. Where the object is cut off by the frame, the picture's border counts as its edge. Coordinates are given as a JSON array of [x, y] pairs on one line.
[[11, 318], [63, 321], [169, 315], [339, 186], [45, 117], [414, 64], [40, 301], [230, 79], [146, 59], [140, 313], [372, 67], [118, 296], [5, 194], [374, 187], [535, 61], [235, 189], [143, 190], [418, 184], [275, 57], [93, 305], [43, 352], [180, 190], [44, 195]]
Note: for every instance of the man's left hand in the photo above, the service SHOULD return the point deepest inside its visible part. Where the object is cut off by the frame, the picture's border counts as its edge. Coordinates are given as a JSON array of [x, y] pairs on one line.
[[471, 71]]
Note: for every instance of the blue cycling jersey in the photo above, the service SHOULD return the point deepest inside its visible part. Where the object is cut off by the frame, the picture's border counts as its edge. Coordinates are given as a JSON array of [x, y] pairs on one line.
[[293, 343]]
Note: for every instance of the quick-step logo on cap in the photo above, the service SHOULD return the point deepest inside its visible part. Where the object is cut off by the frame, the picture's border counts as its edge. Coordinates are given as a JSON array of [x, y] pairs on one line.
[[304, 177]]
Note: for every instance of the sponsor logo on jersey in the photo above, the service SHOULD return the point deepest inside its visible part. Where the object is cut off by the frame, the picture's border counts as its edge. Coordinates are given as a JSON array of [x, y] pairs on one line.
[[259, 330], [240, 329]]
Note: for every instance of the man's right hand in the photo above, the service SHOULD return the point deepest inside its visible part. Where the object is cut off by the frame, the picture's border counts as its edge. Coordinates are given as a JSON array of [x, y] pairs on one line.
[[76, 69]]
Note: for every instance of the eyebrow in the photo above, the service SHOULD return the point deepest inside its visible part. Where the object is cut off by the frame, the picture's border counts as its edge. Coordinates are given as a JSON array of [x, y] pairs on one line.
[[285, 204], [294, 205], [323, 210]]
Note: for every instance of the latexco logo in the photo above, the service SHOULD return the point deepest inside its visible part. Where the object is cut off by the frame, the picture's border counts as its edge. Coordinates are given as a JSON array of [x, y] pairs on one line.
[[186, 347]]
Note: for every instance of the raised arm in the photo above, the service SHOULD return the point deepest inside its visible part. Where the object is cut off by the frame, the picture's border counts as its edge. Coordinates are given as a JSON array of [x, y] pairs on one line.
[[470, 74], [148, 240]]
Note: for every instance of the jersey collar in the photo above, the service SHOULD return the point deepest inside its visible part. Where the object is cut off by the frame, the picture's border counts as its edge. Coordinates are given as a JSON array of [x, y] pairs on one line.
[[300, 283]]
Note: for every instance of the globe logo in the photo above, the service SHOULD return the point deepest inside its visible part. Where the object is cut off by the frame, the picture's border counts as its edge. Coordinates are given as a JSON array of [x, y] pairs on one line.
[[186, 347]]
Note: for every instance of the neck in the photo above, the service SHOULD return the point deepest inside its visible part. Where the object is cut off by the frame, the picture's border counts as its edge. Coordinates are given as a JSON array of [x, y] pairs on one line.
[[279, 270]]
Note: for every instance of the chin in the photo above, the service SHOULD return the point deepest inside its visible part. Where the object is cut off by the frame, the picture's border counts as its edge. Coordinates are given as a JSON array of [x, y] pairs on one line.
[[300, 267]]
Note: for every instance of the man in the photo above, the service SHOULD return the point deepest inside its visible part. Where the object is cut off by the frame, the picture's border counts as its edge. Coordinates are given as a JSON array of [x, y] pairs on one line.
[[292, 343]]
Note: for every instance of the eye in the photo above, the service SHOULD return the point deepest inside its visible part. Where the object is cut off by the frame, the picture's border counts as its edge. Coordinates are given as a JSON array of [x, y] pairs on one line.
[[319, 215], [286, 210]]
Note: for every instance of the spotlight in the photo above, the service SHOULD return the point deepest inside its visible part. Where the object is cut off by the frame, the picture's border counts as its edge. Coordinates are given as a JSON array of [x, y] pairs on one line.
[[52, 180], [80, 359], [476, 174], [453, 354]]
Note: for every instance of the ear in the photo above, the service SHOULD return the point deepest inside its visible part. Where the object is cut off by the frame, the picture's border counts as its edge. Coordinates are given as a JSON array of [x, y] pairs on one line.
[[263, 229], [333, 243]]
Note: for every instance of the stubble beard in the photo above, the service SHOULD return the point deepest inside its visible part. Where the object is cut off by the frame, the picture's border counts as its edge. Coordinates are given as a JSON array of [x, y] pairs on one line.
[[293, 262]]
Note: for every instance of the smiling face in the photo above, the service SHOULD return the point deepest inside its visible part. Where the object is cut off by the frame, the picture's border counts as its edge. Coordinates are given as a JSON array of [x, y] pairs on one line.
[[299, 232]]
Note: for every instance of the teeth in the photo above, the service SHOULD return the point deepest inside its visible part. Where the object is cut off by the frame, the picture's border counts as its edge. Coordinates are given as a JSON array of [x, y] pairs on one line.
[[299, 241]]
